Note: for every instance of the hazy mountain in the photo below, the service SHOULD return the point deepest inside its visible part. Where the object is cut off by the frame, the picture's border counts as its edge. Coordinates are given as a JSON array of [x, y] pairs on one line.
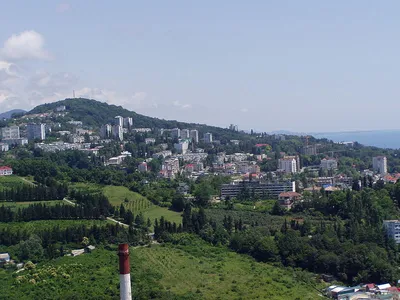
[[8, 114]]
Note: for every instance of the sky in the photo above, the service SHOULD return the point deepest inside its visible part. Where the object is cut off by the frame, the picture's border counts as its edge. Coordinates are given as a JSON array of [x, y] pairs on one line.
[[304, 66]]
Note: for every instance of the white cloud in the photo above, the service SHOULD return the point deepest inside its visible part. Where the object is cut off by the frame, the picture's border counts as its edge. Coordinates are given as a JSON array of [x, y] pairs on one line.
[[63, 7], [181, 105], [244, 110], [25, 45]]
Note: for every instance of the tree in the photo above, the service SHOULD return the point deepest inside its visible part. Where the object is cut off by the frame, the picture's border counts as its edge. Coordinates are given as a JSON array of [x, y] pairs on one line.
[[30, 249], [277, 210]]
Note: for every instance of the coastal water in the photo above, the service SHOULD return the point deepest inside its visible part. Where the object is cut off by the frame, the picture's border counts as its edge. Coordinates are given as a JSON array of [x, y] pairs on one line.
[[378, 138]]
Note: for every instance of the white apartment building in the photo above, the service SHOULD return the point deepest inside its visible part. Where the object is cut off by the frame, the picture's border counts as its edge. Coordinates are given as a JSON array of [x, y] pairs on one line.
[[287, 164], [329, 164], [117, 132], [4, 147], [185, 134], [128, 122], [208, 138], [194, 135], [175, 133], [392, 228], [36, 131], [11, 132], [105, 131], [119, 121], [379, 164], [181, 147]]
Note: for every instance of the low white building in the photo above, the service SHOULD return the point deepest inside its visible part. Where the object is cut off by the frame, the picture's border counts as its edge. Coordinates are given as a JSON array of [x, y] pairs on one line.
[[149, 141], [4, 147], [143, 167]]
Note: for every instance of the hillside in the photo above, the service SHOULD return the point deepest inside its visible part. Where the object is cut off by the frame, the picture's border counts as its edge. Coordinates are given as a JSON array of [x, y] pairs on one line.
[[96, 113], [8, 114]]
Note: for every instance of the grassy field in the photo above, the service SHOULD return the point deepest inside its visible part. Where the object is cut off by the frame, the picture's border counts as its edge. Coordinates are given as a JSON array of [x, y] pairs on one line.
[[117, 195], [195, 271], [12, 181], [33, 226], [85, 187], [155, 212], [16, 205]]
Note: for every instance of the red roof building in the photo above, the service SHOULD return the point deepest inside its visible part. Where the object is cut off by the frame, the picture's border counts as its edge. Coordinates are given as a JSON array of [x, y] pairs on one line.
[[5, 171]]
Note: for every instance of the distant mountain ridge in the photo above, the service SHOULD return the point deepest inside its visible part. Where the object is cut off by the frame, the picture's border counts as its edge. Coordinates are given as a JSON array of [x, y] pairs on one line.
[[8, 114]]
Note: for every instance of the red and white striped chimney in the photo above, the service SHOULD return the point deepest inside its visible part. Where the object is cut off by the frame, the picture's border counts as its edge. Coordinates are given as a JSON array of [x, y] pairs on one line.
[[124, 272]]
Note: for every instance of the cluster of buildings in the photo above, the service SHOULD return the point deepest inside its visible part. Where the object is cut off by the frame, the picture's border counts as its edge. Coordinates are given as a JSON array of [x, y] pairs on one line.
[[366, 291], [116, 130]]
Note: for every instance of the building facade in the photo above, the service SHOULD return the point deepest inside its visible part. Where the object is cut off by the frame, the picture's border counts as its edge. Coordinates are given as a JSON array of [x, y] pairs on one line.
[[118, 120], [36, 131], [5, 171], [392, 228], [379, 164], [175, 133], [181, 147], [287, 164], [128, 122], [11, 132], [329, 164], [194, 135], [185, 134], [260, 189], [208, 138], [118, 133], [105, 131]]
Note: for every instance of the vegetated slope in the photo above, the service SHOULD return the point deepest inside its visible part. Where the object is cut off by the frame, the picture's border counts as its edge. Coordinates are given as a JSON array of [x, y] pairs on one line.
[[95, 113], [195, 270], [9, 114]]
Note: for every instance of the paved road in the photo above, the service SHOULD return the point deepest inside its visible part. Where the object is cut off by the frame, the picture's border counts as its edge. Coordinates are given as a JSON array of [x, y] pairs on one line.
[[118, 222], [68, 201]]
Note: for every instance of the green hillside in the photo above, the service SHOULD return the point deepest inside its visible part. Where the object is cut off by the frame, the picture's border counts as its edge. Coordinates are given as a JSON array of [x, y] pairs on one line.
[[95, 113], [195, 270]]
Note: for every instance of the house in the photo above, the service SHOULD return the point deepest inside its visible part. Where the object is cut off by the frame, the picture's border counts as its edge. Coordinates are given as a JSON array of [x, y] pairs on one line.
[[5, 258], [287, 199], [5, 171], [77, 252]]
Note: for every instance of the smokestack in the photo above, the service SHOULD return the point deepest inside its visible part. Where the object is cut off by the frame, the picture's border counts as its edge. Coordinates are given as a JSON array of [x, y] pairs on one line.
[[124, 272]]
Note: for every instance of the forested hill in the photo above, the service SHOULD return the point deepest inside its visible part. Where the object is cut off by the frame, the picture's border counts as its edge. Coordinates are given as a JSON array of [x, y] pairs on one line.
[[96, 113]]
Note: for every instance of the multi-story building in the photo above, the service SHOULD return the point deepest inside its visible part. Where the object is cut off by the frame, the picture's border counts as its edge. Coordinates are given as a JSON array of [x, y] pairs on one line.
[[20, 141], [11, 132], [118, 133], [118, 120], [310, 150], [329, 164], [170, 168], [175, 133], [4, 147], [185, 134], [36, 131], [261, 189], [128, 122], [208, 138], [105, 131], [379, 164], [181, 147], [233, 127], [60, 108], [392, 228], [288, 164], [194, 135]]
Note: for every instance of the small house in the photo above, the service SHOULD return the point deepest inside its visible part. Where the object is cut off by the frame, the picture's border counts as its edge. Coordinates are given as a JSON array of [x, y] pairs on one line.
[[287, 199]]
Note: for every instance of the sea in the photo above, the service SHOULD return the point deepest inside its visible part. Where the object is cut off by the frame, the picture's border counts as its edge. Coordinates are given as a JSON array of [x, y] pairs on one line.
[[377, 138]]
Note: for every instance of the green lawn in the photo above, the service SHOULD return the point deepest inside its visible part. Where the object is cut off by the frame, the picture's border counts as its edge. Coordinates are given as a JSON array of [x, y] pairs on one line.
[[86, 187], [34, 226], [156, 212], [118, 194], [194, 271], [12, 181]]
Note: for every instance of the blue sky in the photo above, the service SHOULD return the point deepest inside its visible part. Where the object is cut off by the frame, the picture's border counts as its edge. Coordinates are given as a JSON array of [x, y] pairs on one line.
[[268, 65]]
